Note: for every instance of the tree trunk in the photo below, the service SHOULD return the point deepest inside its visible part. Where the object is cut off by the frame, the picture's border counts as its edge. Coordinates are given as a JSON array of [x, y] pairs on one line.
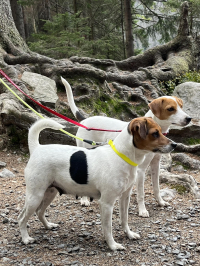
[[10, 39], [43, 14], [128, 28], [18, 17], [183, 29]]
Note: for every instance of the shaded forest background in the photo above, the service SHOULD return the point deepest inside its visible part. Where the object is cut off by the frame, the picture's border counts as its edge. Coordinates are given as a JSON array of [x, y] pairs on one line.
[[104, 29]]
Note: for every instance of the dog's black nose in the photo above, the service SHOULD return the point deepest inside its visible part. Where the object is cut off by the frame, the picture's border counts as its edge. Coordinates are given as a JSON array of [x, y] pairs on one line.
[[174, 144], [188, 119]]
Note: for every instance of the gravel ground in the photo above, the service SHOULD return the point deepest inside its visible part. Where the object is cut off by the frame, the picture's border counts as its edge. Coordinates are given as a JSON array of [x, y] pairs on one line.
[[171, 236]]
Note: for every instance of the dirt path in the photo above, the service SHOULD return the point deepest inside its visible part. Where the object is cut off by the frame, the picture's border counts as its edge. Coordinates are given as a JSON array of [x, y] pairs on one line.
[[171, 236]]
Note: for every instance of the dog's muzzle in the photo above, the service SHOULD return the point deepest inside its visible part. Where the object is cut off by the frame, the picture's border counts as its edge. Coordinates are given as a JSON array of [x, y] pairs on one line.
[[166, 149]]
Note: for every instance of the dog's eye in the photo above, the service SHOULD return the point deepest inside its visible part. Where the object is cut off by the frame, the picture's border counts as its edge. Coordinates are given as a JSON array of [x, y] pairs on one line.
[[171, 109], [155, 135]]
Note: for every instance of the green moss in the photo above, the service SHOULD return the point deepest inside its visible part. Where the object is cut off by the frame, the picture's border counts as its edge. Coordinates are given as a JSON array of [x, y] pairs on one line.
[[184, 166], [192, 141], [179, 188], [179, 64], [108, 105], [141, 109]]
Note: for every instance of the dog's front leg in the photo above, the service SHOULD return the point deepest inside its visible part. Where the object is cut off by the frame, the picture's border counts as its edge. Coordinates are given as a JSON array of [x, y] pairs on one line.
[[124, 205], [106, 220], [155, 169]]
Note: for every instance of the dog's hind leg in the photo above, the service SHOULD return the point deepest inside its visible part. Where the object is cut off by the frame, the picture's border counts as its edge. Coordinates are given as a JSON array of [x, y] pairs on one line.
[[31, 204], [123, 207], [49, 195]]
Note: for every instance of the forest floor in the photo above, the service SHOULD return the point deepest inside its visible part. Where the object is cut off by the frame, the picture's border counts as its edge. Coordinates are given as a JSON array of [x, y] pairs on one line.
[[170, 236]]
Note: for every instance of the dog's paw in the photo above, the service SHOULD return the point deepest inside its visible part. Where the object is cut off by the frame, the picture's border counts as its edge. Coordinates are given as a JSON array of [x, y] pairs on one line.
[[50, 226], [28, 240], [85, 202], [144, 213], [132, 235], [116, 246], [163, 203]]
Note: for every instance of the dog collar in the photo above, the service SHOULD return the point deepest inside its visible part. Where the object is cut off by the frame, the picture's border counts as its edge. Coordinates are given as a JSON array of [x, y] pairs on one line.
[[165, 134], [123, 156]]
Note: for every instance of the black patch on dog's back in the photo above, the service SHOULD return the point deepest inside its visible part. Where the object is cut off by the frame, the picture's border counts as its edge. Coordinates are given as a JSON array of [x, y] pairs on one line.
[[78, 167]]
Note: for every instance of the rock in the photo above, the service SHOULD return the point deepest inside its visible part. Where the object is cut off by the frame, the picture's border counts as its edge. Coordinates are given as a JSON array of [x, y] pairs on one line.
[[5, 220], [183, 217], [44, 88], [167, 194], [2, 164], [5, 260], [6, 173], [178, 168], [189, 92]]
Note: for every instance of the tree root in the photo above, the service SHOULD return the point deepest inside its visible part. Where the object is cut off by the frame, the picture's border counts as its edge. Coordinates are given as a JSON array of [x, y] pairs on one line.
[[186, 160], [185, 148]]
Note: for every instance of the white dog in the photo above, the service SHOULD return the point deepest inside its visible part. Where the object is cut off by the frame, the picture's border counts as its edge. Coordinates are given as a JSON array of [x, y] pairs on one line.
[[99, 173], [165, 111]]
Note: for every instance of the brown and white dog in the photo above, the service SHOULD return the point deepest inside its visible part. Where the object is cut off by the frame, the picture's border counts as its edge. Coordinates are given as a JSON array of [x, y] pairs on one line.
[[99, 173], [165, 111]]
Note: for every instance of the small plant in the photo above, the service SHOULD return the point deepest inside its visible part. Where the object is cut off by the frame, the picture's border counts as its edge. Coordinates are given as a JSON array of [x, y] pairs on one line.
[[169, 86], [179, 188], [186, 167], [193, 141]]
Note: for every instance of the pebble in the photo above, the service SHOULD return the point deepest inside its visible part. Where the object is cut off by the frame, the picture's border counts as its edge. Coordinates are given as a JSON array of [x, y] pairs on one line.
[[183, 217], [6, 173], [2, 164]]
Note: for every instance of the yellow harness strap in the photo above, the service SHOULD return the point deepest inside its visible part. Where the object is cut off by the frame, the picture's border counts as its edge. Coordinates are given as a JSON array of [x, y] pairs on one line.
[[123, 156]]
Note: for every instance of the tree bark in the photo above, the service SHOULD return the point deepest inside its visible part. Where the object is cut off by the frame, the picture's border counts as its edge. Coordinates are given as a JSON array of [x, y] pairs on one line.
[[183, 29], [10, 39], [128, 28], [18, 17]]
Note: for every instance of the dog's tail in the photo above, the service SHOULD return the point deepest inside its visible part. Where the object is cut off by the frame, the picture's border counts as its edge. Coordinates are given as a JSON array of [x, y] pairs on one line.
[[72, 104], [36, 128]]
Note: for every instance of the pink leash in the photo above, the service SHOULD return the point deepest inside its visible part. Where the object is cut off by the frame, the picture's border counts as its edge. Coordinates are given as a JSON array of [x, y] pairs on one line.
[[54, 112]]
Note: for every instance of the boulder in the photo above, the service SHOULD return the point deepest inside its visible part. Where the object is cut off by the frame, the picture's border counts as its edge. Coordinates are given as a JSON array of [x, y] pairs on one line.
[[189, 92], [44, 88]]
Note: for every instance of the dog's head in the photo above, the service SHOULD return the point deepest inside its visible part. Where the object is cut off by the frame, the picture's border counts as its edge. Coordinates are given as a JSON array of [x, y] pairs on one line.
[[147, 135], [169, 108]]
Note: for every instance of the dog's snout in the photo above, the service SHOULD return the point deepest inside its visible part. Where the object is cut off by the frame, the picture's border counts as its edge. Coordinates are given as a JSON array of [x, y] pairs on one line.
[[174, 144], [188, 119]]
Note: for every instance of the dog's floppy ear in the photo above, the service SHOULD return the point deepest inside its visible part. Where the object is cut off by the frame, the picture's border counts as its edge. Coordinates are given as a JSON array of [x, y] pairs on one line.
[[156, 106], [139, 126], [179, 101]]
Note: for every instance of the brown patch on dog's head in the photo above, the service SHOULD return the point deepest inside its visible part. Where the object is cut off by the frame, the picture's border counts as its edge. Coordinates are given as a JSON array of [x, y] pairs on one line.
[[179, 101], [164, 107], [147, 134]]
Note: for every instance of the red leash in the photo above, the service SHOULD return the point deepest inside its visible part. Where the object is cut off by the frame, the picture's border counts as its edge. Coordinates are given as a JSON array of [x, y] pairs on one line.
[[54, 112]]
